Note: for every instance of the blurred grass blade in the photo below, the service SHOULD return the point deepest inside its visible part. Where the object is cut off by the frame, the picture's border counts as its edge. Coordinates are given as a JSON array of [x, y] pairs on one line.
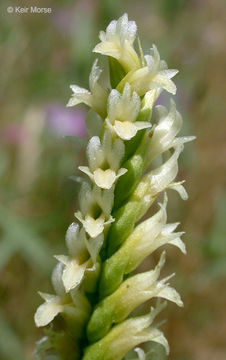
[[7, 249], [10, 346], [21, 237]]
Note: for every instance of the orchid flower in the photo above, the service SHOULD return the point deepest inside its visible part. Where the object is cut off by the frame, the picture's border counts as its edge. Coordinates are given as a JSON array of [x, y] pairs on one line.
[[97, 283]]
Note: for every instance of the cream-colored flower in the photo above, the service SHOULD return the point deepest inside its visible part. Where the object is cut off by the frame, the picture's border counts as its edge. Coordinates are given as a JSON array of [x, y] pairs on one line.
[[46, 312], [123, 110], [168, 126], [161, 177], [73, 272], [54, 304], [96, 98], [83, 254], [164, 134], [154, 75], [147, 237], [93, 226], [137, 329], [104, 159], [149, 99], [78, 260], [145, 286], [117, 42], [130, 294], [96, 205], [74, 308]]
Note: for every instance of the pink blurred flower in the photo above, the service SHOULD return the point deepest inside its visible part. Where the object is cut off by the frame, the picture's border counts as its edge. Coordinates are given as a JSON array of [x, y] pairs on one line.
[[66, 122], [14, 134]]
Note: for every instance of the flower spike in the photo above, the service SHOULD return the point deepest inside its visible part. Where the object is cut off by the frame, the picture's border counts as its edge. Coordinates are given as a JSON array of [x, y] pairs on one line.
[[97, 283]]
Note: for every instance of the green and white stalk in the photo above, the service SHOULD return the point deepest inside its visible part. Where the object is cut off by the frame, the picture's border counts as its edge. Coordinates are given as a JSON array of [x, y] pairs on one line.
[[96, 289]]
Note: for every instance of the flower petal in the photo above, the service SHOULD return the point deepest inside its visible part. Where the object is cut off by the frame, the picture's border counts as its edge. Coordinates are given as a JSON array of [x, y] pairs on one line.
[[179, 243], [80, 96], [140, 125], [94, 75], [86, 171], [94, 246], [169, 293], [141, 354], [126, 130], [177, 186], [104, 178], [75, 241], [47, 312], [73, 274], [123, 106], [93, 227], [154, 334], [160, 80], [121, 172], [162, 176], [108, 48], [95, 153]]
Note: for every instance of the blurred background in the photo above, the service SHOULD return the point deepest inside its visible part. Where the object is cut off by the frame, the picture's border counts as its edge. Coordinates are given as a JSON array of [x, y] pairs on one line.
[[42, 142]]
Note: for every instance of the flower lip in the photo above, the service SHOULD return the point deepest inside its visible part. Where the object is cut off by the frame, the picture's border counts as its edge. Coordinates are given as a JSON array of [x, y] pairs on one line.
[[93, 227], [104, 178], [126, 130], [47, 311]]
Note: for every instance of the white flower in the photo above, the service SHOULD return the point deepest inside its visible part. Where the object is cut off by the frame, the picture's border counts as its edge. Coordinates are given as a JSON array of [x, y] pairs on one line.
[[82, 257], [104, 159], [163, 136], [74, 270], [123, 110], [78, 260], [161, 177], [149, 99], [154, 75], [54, 304], [75, 241], [93, 227], [137, 329], [130, 294], [168, 126], [147, 237], [74, 308], [117, 42], [96, 98], [96, 205], [145, 286], [46, 312]]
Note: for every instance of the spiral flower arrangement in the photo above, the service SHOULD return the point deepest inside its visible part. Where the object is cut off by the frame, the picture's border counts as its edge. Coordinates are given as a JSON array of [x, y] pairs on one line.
[[96, 286]]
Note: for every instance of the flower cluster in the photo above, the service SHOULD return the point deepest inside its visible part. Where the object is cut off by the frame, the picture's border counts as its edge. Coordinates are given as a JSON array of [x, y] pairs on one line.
[[95, 285]]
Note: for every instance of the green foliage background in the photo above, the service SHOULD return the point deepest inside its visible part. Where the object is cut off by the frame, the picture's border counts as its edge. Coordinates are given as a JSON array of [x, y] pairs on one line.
[[40, 56]]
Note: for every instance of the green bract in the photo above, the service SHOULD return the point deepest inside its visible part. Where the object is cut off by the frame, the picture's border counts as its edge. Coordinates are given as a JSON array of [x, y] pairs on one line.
[[96, 289]]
